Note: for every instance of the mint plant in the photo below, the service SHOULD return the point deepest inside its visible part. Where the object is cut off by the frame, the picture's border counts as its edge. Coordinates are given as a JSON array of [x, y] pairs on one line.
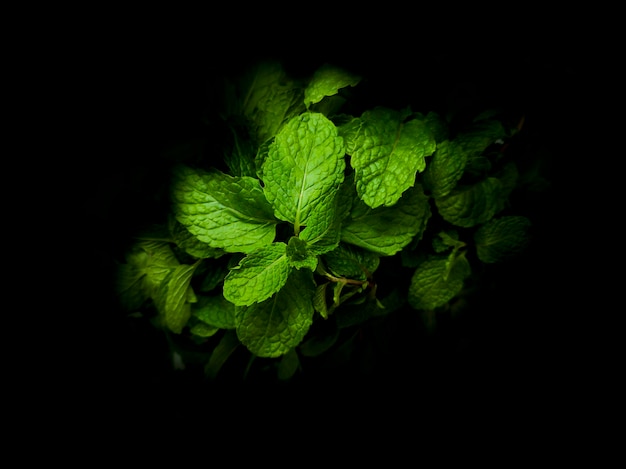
[[309, 202]]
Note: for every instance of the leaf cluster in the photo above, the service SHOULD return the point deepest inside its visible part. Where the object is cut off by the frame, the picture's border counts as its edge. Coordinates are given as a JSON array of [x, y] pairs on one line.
[[312, 202]]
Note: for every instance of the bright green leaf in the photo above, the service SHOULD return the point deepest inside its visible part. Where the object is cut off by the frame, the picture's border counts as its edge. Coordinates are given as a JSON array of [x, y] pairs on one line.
[[386, 230], [273, 327], [471, 205], [215, 311], [386, 154], [501, 238], [303, 169], [225, 212], [258, 276], [327, 81], [436, 281]]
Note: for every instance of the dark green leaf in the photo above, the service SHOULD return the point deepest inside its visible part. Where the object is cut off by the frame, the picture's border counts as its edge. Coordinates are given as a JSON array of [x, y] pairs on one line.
[[502, 238]]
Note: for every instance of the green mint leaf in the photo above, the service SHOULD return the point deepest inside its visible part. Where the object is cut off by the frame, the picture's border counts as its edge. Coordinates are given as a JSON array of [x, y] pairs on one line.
[[173, 299], [304, 168], [299, 255], [351, 262], [267, 98], [386, 154], [225, 212], [327, 81], [502, 238], [215, 311], [189, 243], [436, 281], [258, 276], [275, 326], [471, 205], [386, 230], [445, 168], [324, 229]]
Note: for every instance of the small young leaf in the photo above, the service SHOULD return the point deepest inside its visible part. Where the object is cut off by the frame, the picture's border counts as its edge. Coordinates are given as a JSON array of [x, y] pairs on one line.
[[215, 311], [299, 255], [501, 238], [386, 230], [303, 169], [225, 212], [386, 154], [327, 81], [273, 327], [436, 281], [258, 276], [471, 205]]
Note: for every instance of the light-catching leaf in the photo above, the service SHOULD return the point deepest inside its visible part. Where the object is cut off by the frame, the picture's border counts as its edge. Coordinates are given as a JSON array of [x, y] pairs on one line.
[[258, 276], [225, 212], [386, 230], [386, 154], [471, 205], [502, 238], [436, 281], [327, 81], [303, 169], [273, 327]]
